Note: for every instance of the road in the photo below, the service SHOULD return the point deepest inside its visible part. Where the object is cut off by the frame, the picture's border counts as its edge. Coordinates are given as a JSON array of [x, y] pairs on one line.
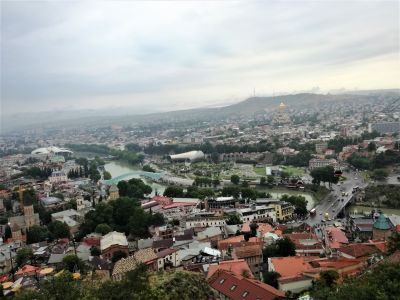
[[333, 204]]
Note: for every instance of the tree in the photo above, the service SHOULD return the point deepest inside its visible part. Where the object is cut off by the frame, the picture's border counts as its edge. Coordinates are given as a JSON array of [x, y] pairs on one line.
[[37, 234], [380, 174], [234, 219], [73, 263], [271, 278], [253, 229], [95, 251], [23, 256], [148, 168], [107, 175], [283, 247], [263, 180], [270, 179], [329, 277], [103, 228], [371, 147], [59, 229], [235, 179], [394, 242], [173, 192], [117, 255]]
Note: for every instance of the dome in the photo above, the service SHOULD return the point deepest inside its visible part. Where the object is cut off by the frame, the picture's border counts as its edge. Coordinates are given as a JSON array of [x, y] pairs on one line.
[[282, 105], [51, 149], [382, 223]]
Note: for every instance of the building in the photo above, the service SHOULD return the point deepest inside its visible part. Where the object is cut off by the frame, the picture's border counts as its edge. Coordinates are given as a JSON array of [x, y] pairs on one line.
[[281, 117], [58, 177], [334, 238], [113, 192], [148, 257], [113, 242], [307, 243], [51, 150], [235, 287], [167, 258], [71, 217], [20, 224], [283, 210], [321, 147], [319, 163], [220, 203], [257, 213], [384, 127], [205, 222], [252, 254], [123, 266], [382, 228], [190, 156], [238, 267]]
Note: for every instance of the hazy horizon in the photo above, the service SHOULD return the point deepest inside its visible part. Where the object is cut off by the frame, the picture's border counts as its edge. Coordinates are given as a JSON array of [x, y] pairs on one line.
[[166, 56]]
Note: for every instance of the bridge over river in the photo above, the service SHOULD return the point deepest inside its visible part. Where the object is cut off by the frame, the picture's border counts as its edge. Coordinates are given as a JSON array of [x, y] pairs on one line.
[[134, 174]]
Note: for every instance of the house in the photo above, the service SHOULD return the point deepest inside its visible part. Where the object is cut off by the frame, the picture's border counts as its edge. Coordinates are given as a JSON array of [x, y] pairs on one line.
[[236, 241], [364, 250], [237, 266], [257, 213], [284, 210], [113, 242], [123, 266], [291, 270], [335, 238], [148, 257], [167, 257], [71, 217], [207, 221], [306, 243], [210, 234], [58, 177], [252, 254], [102, 268], [319, 163], [231, 286]]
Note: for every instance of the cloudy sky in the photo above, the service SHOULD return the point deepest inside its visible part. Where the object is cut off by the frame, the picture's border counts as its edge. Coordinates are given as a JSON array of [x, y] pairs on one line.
[[160, 55]]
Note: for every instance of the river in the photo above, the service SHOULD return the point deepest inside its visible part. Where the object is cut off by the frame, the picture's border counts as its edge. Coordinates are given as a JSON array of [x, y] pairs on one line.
[[117, 168]]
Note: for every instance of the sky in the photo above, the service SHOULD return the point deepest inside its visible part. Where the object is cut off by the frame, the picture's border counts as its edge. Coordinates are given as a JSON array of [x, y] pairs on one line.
[[164, 55]]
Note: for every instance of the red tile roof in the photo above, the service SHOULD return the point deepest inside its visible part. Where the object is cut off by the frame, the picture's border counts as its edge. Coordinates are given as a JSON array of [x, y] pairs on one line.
[[290, 266], [239, 288], [237, 241], [237, 267], [248, 251], [359, 250]]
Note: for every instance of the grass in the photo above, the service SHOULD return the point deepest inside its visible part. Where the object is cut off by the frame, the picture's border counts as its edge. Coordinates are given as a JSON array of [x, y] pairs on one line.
[[293, 170], [260, 171]]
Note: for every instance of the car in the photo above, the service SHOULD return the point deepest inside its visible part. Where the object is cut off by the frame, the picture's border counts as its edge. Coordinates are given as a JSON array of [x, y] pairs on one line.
[[320, 214], [355, 178], [323, 221], [333, 210]]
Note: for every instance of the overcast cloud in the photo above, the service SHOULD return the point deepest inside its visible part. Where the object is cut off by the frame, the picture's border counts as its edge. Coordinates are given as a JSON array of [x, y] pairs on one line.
[[160, 56]]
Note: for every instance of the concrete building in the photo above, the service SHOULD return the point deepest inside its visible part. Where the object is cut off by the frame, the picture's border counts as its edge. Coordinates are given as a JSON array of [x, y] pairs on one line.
[[319, 163], [284, 210], [252, 254], [257, 213], [113, 242], [113, 192]]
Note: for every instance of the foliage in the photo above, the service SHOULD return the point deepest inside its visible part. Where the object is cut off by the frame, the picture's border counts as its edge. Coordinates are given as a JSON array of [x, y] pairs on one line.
[[235, 179], [103, 229], [95, 251], [59, 230], [117, 255], [123, 215], [73, 263], [299, 160], [134, 188], [382, 282], [271, 278], [234, 219], [282, 247], [394, 242], [37, 234], [195, 192], [299, 202], [324, 174], [391, 195], [38, 173], [148, 168], [380, 174], [173, 192], [23, 256], [107, 175]]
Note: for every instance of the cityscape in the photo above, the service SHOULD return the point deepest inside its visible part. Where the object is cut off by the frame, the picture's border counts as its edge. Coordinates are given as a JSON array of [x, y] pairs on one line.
[[120, 186]]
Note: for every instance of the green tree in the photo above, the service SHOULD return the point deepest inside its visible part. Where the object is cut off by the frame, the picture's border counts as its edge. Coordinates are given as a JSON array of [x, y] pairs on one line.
[[23, 256], [371, 147], [234, 219], [263, 180], [37, 234], [329, 277], [394, 242], [95, 251], [235, 179], [107, 175], [271, 278], [73, 263], [380, 174], [103, 229], [148, 168], [117, 255], [59, 229], [173, 192]]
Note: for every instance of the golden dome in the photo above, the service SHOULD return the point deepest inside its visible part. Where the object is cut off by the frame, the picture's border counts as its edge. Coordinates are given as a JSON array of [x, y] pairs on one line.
[[282, 105]]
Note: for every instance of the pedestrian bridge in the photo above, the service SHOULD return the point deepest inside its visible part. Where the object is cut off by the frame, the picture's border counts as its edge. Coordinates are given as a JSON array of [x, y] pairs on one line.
[[134, 174]]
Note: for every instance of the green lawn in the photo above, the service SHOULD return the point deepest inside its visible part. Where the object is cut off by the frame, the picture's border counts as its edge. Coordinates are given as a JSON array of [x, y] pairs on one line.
[[260, 171], [293, 170]]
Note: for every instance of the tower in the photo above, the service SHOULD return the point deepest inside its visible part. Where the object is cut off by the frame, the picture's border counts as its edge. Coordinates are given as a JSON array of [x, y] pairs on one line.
[[29, 216], [79, 203], [114, 192]]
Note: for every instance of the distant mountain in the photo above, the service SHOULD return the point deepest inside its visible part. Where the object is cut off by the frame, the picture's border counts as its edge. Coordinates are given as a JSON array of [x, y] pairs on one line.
[[248, 107]]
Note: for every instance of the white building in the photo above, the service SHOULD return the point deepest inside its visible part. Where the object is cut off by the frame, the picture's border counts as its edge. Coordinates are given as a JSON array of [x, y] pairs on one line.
[[257, 213], [57, 177]]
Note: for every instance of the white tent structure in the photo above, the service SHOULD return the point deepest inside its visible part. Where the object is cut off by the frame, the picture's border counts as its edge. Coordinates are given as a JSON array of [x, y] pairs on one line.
[[51, 150], [188, 156]]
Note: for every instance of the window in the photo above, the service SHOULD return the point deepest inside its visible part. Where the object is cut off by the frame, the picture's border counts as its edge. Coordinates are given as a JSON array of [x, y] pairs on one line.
[[222, 281], [244, 295], [233, 287]]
